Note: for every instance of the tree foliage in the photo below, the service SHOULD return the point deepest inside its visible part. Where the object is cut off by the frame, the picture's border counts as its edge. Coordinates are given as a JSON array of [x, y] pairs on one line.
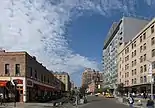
[[83, 89], [120, 88]]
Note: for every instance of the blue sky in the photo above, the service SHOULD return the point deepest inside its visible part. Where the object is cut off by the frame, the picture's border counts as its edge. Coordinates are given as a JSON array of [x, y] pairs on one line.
[[88, 32], [64, 35]]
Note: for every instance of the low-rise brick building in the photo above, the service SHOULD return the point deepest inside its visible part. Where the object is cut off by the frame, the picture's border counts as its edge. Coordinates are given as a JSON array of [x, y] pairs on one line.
[[33, 78]]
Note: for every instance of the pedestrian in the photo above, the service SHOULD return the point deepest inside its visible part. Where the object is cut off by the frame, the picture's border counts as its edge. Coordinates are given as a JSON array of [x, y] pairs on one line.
[[150, 103], [131, 101], [144, 94]]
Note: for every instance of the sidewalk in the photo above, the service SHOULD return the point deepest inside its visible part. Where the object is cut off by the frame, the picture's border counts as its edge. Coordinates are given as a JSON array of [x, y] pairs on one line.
[[137, 103], [33, 105]]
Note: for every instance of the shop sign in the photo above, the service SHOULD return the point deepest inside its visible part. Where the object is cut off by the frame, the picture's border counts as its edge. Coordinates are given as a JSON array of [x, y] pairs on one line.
[[19, 81]]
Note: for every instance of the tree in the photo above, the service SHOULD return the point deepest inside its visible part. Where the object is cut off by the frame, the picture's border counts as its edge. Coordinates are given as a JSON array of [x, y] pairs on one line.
[[83, 89], [100, 90], [120, 88]]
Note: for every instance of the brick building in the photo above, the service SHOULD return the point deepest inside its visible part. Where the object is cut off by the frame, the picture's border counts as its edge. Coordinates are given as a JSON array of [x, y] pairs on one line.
[[33, 78], [90, 75]]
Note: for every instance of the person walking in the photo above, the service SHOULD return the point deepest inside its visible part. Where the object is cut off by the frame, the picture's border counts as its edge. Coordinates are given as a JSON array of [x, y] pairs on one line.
[[131, 101], [150, 103]]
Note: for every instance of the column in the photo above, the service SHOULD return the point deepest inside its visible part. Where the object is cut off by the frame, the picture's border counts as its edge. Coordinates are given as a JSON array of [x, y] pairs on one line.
[[24, 90]]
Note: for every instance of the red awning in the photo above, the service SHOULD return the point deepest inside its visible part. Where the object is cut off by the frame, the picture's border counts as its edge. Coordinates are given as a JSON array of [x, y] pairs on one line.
[[3, 83]]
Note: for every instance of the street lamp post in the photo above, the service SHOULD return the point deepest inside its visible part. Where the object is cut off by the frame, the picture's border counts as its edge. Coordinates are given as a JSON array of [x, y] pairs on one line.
[[151, 77]]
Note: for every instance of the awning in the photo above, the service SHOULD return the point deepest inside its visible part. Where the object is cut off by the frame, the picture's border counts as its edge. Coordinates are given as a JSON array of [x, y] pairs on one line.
[[3, 83], [41, 87]]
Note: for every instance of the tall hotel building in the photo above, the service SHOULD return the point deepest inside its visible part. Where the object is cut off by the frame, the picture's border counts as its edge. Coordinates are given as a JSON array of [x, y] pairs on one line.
[[134, 58], [120, 32]]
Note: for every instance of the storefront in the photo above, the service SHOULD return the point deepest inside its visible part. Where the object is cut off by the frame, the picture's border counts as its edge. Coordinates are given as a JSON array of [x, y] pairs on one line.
[[36, 89], [6, 90], [26, 90]]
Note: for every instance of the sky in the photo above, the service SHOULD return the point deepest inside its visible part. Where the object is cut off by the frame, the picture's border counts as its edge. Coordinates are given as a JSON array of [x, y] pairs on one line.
[[65, 35]]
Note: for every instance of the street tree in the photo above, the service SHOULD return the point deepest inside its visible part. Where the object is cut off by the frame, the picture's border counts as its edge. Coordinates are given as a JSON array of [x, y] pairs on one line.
[[120, 88]]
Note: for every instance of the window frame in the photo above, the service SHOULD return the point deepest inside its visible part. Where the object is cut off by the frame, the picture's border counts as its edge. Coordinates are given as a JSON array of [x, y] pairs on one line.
[[17, 69]]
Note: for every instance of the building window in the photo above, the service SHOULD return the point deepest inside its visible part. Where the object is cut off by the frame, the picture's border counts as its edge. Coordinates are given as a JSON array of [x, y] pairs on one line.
[[7, 69], [48, 80], [145, 68], [141, 48], [135, 44], [153, 65], [135, 62], [145, 79], [132, 72], [36, 74], [144, 36], [141, 79], [141, 59], [152, 29], [127, 82], [144, 57], [134, 52], [41, 77], [126, 50], [153, 52], [132, 45], [132, 63], [141, 69], [135, 81], [152, 41], [135, 71], [17, 69], [31, 71], [126, 66], [141, 39], [132, 81], [144, 46]]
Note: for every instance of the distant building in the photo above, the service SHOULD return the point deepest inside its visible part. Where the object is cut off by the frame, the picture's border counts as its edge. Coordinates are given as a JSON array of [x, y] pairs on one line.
[[120, 32], [65, 78], [72, 85], [90, 75]]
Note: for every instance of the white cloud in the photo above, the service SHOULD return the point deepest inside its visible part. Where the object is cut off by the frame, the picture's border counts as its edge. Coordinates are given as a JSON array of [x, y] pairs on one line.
[[37, 26], [150, 2]]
